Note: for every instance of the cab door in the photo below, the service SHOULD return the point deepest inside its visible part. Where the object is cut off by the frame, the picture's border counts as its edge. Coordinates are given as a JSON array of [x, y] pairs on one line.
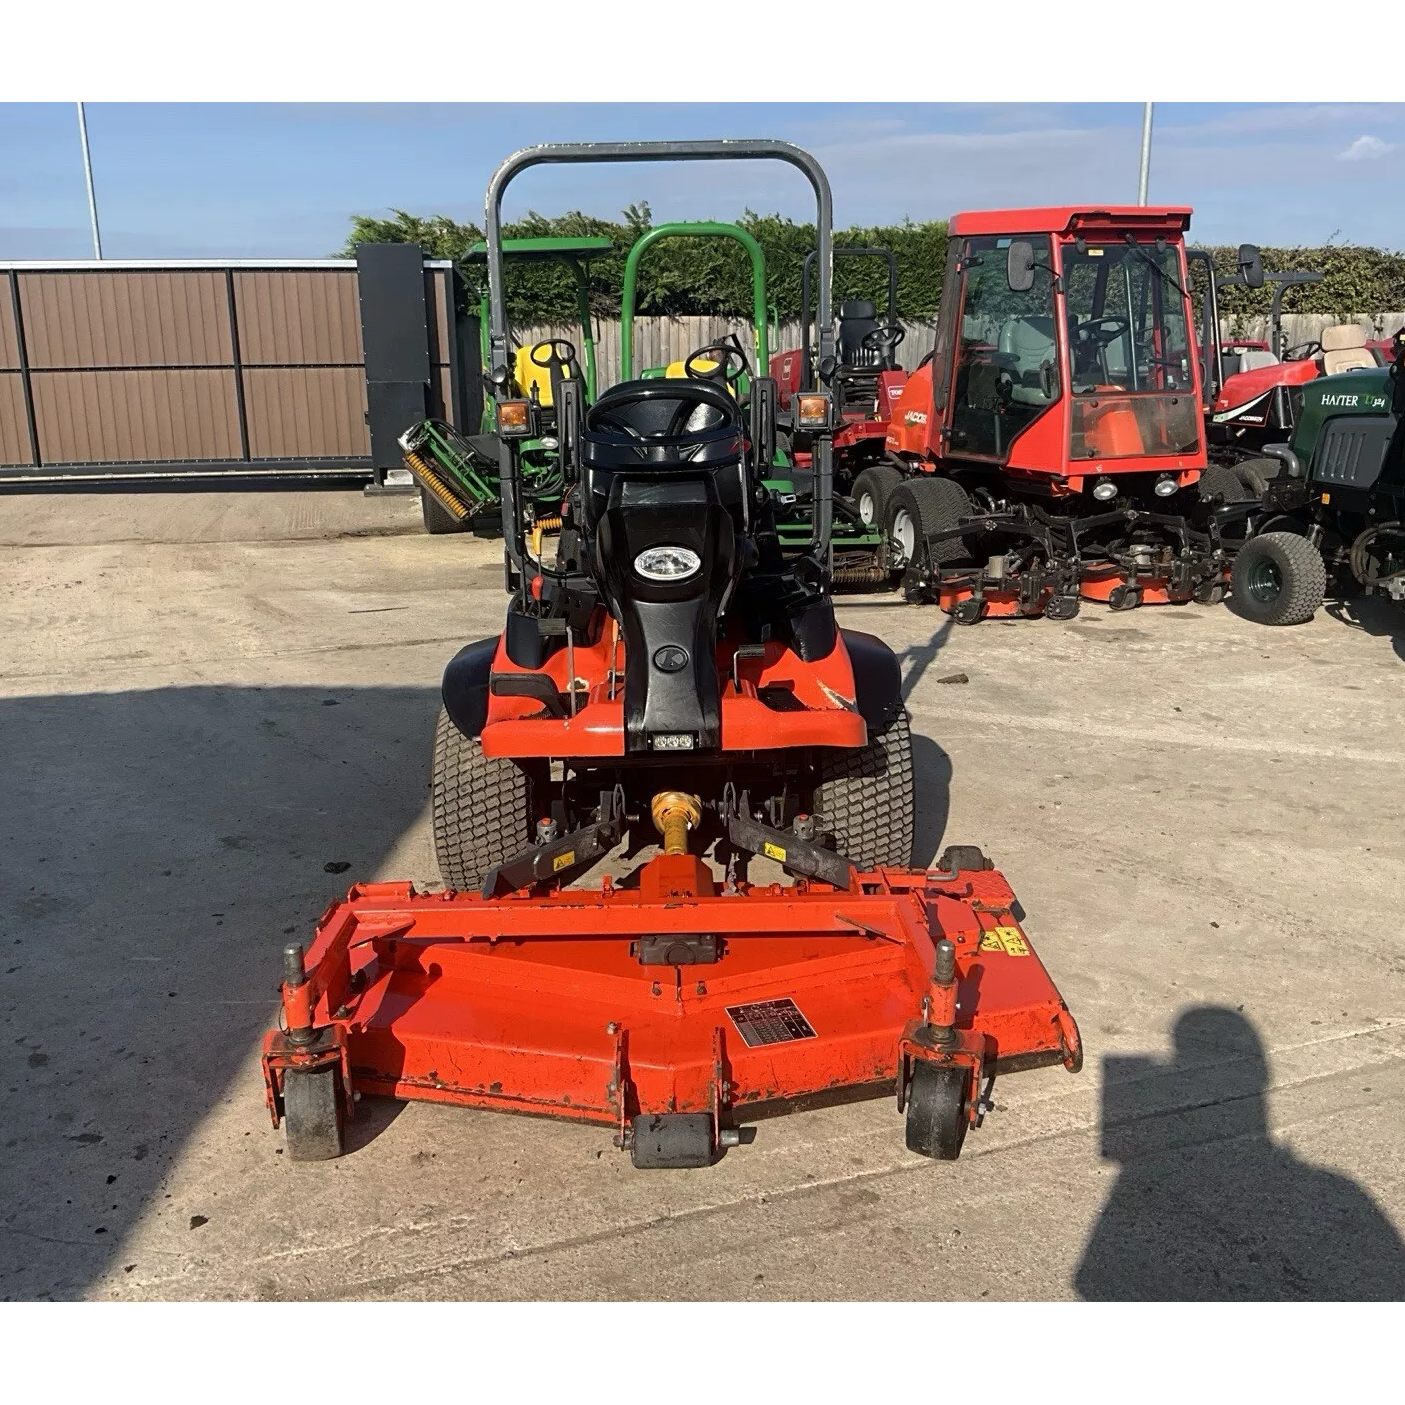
[[1005, 370]]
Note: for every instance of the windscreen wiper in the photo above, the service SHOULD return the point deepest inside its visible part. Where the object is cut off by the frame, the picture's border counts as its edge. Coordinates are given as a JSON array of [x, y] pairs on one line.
[[1132, 244]]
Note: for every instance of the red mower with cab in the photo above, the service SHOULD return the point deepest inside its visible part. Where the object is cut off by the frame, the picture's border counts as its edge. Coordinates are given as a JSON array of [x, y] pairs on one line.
[[1053, 447], [669, 681]]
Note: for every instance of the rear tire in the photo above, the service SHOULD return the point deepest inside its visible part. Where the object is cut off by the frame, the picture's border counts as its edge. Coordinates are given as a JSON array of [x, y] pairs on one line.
[[482, 807], [1279, 578], [920, 507], [872, 489], [438, 520], [867, 797]]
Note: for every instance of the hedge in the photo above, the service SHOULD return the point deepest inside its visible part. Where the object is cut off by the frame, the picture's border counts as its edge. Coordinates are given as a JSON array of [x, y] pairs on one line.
[[711, 277]]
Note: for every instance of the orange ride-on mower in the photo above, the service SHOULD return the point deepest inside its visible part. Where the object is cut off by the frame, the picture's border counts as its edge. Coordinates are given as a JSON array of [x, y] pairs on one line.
[[1053, 444], [672, 680]]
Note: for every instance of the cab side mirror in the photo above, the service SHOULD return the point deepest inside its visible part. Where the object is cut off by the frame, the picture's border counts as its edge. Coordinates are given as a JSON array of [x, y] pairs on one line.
[[1019, 266], [1251, 266]]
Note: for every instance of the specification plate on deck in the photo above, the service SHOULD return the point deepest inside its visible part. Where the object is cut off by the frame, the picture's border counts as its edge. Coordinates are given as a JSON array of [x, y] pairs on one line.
[[770, 1022]]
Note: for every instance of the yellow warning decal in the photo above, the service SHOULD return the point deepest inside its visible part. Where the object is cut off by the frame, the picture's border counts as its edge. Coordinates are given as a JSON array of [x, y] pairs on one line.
[[1006, 939], [773, 851], [563, 860], [1326, 497]]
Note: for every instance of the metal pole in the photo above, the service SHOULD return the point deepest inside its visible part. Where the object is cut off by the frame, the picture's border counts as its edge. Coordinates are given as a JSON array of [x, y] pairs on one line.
[[1146, 153], [88, 176]]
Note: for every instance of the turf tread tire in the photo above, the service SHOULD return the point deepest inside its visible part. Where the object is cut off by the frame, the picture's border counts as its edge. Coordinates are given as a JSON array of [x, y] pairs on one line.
[[1300, 568], [481, 805], [438, 520], [934, 505], [879, 480], [1220, 480], [868, 796]]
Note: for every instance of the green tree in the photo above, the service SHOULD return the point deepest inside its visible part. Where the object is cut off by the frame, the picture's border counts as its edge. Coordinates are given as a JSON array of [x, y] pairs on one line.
[[439, 236]]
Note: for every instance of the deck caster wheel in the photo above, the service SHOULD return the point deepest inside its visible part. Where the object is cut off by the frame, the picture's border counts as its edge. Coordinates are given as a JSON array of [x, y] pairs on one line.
[[312, 1113], [963, 858], [936, 1110], [1061, 607], [1124, 597], [672, 1141], [968, 611], [1210, 593]]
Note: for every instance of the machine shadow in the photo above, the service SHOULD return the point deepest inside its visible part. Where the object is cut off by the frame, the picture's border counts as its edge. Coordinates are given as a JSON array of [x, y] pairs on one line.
[[159, 848], [1374, 614], [1207, 1206], [931, 768]]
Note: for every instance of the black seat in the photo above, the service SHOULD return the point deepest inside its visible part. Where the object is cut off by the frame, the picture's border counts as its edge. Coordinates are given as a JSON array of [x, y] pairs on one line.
[[664, 468], [856, 320]]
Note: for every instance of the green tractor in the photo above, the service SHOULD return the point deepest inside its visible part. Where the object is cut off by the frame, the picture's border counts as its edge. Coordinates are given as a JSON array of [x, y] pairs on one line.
[[1331, 516], [857, 545], [458, 473]]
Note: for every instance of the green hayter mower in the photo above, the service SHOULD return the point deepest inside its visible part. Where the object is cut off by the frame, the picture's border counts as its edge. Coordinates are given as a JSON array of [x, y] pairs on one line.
[[1331, 517], [458, 473], [727, 362]]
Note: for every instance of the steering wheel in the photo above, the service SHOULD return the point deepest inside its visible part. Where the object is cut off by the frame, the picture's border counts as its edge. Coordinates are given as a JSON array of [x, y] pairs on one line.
[[883, 341], [1304, 351], [731, 365], [1101, 331], [558, 351]]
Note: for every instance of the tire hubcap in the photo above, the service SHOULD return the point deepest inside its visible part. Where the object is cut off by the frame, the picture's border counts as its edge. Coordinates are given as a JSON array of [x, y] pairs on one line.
[[1265, 581], [905, 535], [866, 509]]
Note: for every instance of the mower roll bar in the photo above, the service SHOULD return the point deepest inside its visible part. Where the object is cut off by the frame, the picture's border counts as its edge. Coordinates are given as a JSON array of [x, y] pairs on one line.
[[556, 153], [807, 375], [1275, 308], [701, 229]]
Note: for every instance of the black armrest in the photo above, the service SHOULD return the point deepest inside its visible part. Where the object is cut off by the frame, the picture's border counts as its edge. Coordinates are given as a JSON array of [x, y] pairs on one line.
[[528, 685]]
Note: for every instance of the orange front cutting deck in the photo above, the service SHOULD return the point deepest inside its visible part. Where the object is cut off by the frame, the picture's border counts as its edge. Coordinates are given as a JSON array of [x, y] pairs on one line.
[[540, 1004]]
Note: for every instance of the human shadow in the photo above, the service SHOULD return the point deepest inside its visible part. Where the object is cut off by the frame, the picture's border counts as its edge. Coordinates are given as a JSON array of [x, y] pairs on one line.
[[159, 848], [1207, 1206], [1376, 615]]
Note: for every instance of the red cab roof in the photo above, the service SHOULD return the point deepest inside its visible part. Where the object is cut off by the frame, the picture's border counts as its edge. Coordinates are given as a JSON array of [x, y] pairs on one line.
[[1066, 219]]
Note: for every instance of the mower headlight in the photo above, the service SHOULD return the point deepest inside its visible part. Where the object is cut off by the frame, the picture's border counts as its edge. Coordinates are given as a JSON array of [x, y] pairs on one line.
[[812, 411], [667, 563], [514, 419], [550, 441], [1104, 490], [1165, 487]]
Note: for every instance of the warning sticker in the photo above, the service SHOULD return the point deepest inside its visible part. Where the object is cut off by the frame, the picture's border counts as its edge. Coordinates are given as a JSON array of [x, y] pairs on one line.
[[563, 860], [770, 1022], [773, 851], [1006, 939]]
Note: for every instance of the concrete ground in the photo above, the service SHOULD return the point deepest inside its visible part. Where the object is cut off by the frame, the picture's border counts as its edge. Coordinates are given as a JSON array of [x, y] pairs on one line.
[[207, 699]]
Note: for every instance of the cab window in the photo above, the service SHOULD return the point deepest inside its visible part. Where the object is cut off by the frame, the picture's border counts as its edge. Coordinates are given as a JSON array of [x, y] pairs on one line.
[[1007, 359]]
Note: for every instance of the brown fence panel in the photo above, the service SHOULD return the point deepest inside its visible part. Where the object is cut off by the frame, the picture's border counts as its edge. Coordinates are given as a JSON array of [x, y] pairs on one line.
[[298, 318], [314, 412], [128, 320], [9, 342], [14, 424], [136, 416]]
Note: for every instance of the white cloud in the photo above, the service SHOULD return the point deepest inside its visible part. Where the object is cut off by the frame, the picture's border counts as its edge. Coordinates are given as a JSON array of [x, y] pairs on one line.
[[1366, 149]]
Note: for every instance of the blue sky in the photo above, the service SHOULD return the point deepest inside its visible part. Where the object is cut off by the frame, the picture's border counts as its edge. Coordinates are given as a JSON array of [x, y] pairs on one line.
[[279, 180]]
